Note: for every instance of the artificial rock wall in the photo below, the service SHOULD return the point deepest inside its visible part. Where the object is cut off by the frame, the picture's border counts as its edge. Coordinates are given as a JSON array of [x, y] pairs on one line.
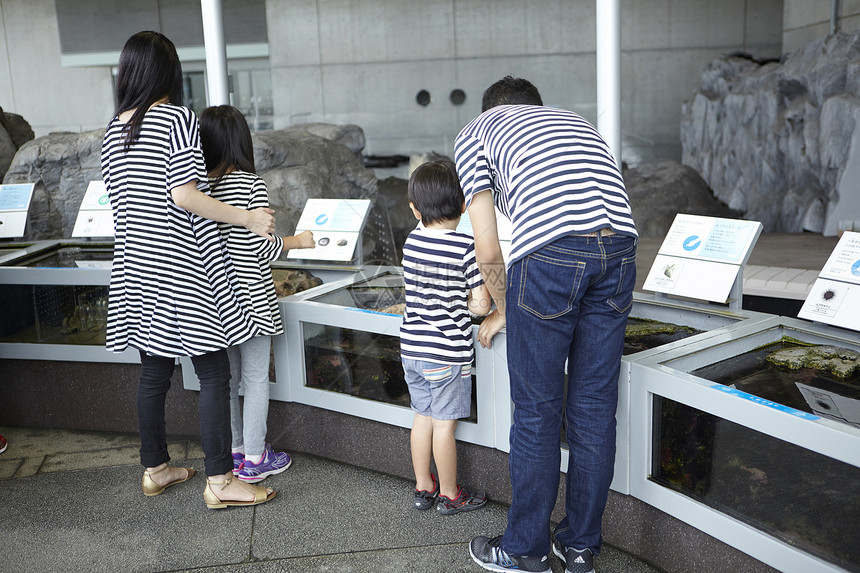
[[780, 141], [312, 160], [14, 132]]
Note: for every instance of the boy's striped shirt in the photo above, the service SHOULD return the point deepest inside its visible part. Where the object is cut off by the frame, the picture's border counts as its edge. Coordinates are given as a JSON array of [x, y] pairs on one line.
[[439, 270]]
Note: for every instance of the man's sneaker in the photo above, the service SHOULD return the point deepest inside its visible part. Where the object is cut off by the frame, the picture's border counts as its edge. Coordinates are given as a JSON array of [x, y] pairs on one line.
[[465, 501], [238, 461], [271, 464], [575, 560], [3, 444], [423, 499], [488, 553]]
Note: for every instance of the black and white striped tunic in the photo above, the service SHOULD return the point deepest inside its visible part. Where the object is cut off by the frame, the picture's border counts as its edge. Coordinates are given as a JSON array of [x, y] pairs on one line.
[[550, 173], [251, 253], [173, 288], [439, 270]]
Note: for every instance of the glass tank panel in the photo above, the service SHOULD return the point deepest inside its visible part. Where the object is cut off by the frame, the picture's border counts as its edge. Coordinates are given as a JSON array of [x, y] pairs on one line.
[[819, 379], [642, 334], [10, 247], [66, 256], [359, 363], [383, 293], [53, 314], [806, 499]]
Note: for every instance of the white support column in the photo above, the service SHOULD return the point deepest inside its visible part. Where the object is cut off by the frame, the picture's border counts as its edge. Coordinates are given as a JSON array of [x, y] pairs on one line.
[[216, 53], [609, 74]]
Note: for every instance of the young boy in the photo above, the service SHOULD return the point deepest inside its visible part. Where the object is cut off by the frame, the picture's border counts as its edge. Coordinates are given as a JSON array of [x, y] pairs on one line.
[[442, 284]]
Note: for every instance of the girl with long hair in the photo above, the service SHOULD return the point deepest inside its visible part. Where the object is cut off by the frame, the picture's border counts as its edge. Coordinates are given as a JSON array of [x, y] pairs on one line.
[[229, 153]]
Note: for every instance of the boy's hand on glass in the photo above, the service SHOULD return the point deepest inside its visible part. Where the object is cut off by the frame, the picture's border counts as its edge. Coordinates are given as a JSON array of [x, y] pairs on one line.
[[491, 326]]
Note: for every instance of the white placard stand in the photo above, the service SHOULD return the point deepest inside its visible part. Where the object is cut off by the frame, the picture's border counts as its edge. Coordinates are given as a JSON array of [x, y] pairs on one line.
[[503, 228], [14, 204], [337, 225], [94, 215], [703, 258], [835, 296]]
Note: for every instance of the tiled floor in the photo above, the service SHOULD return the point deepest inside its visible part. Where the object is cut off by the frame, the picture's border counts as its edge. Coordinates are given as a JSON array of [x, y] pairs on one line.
[[71, 501]]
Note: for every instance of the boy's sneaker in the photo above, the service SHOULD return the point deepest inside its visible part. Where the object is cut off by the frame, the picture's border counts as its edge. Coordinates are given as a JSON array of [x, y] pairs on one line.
[[464, 501], [238, 461], [271, 464], [3, 444], [488, 553], [423, 499], [575, 560]]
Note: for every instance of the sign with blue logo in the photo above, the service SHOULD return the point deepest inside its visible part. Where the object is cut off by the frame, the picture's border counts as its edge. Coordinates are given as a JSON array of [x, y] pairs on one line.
[[14, 204], [835, 296], [336, 225], [95, 218], [701, 257], [711, 238], [691, 243]]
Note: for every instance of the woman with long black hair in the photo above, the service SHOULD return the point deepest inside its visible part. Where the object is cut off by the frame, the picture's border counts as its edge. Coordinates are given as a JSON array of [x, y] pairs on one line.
[[173, 292]]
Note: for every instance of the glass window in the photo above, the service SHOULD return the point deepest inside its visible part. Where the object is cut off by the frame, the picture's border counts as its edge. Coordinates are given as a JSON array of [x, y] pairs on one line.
[[53, 314], [804, 498], [194, 91], [252, 95], [359, 363]]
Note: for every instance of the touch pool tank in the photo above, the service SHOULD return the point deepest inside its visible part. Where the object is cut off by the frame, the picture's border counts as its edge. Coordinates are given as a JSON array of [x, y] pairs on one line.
[[754, 437]]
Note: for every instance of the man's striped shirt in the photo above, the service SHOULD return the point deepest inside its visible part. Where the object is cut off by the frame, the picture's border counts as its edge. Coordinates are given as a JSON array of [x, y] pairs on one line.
[[439, 270], [550, 173]]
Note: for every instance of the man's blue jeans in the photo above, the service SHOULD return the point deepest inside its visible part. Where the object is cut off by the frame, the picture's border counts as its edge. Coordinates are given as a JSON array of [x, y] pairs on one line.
[[567, 301]]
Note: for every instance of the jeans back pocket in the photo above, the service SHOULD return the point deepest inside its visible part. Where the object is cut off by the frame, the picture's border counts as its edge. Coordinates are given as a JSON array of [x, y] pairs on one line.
[[623, 298], [548, 286]]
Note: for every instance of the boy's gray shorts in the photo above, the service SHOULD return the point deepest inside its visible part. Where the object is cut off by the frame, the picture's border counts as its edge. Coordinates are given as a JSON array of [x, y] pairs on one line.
[[439, 391]]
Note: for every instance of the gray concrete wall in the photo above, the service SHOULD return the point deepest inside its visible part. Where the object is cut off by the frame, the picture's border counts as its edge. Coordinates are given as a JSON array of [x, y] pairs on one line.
[[807, 20], [340, 61], [35, 85]]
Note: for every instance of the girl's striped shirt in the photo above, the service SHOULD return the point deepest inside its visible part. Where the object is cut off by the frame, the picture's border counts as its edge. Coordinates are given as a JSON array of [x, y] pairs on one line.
[[250, 252]]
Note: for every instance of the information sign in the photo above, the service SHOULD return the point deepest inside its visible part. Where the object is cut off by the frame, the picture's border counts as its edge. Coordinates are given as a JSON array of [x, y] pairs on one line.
[[14, 204], [503, 228], [835, 296], [701, 257], [94, 215], [711, 239], [336, 224]]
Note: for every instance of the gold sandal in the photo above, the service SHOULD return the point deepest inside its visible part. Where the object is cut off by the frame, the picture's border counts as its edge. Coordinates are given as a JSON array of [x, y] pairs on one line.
[[150, 488], [261, 495]]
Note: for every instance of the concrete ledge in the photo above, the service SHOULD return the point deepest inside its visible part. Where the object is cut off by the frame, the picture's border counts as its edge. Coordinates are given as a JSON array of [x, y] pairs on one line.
[[778, 282]]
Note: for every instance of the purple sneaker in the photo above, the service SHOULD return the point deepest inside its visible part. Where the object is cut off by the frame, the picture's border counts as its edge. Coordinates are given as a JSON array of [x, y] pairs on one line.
[[271, 464], [238, 461]]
